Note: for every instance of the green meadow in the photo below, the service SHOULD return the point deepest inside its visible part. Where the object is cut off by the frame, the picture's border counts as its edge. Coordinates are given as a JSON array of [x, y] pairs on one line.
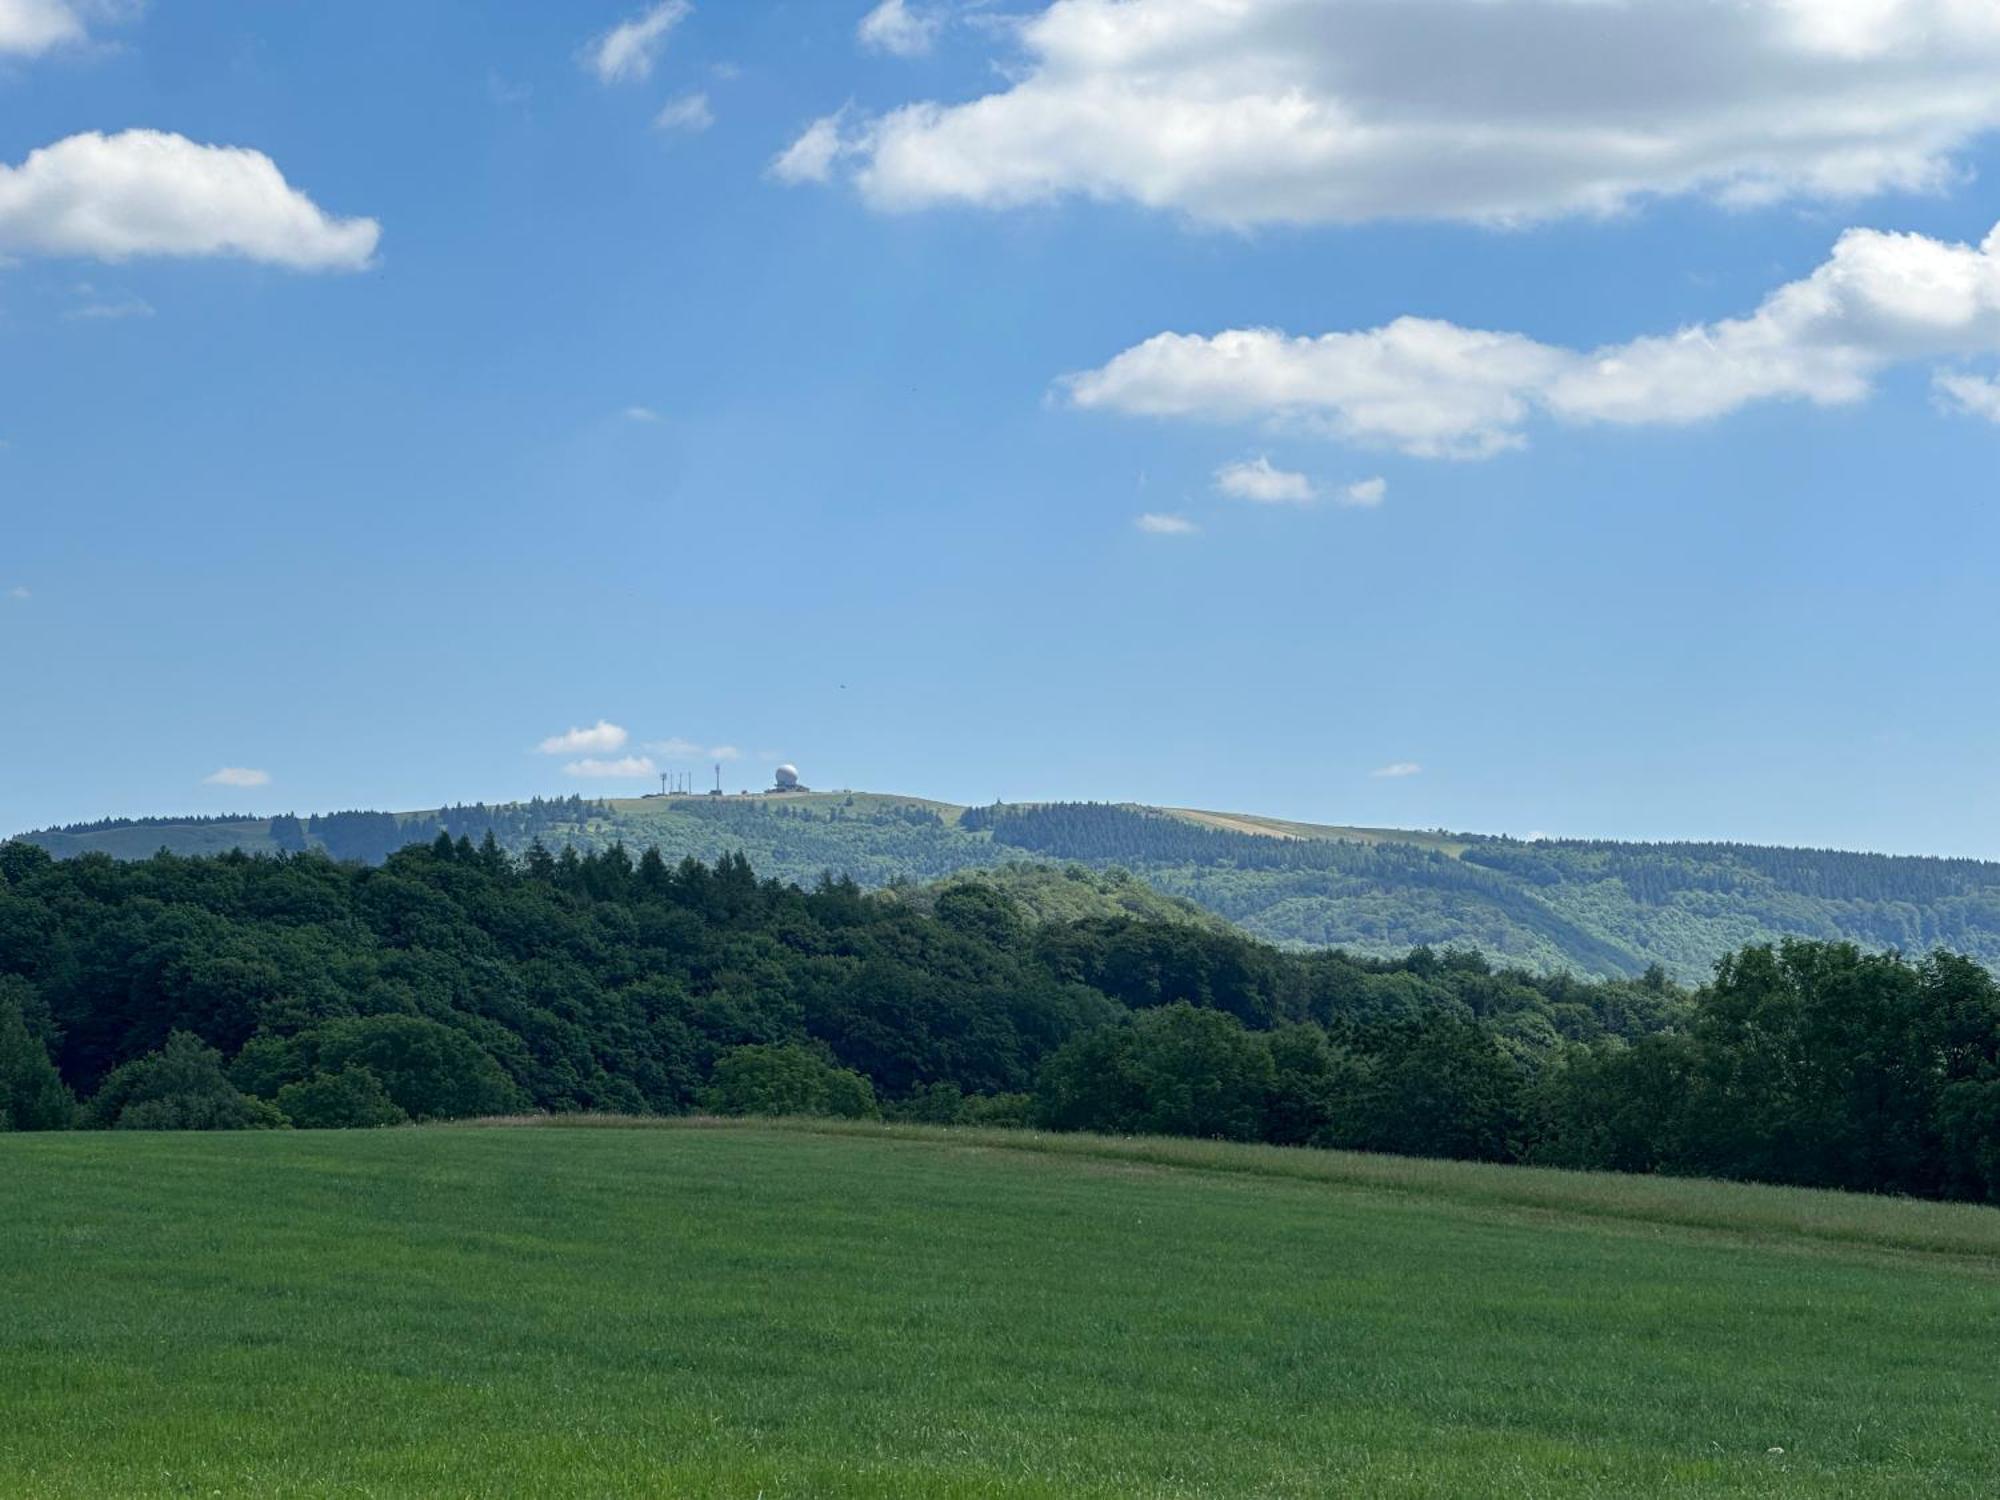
[[783, 1310]]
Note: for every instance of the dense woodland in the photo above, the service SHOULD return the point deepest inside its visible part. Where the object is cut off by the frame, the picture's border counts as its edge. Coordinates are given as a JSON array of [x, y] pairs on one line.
[[453, 980], [1594, 909]]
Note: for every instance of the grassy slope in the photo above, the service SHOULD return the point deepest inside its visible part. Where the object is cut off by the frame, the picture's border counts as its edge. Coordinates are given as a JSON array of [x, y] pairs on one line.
[[1282, 828], [1054, 893], [746, 1310], [143, 842]]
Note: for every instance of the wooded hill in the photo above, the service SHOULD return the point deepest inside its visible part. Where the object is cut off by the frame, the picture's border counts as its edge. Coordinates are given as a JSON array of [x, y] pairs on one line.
[[1592, 908], [231, 992]]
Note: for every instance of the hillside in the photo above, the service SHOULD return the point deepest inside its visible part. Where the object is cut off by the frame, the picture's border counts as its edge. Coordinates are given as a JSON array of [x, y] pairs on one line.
[[755, 1309], [1592, 908]]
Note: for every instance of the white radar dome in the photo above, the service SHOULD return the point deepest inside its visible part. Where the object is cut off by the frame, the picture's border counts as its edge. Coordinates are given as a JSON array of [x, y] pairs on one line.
[[788, 776]]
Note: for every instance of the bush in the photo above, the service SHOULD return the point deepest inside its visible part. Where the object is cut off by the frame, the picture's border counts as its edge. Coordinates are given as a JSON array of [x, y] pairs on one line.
[[1173, 1071], [431, 1071], [997, 1111], [939, 1104], [180, 1087], [32, 1096], [786, 1079], [352, 1099]]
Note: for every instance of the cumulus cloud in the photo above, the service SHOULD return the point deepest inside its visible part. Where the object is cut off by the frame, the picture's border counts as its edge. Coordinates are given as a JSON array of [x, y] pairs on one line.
[[894, 28], [626, 53], [238, 776], [724, 752], [1437, 390], [810, 158], [146, 192], [20, 591], [1397, 770], [1242, 112], [1257, 480], [689, 113], [603, 735], [1973, 395], [626, 768], [1154, 524], [1367, 493], [641, 414]]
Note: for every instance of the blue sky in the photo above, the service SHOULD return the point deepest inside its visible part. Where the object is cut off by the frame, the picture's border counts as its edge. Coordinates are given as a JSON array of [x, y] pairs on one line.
[[558, 384]]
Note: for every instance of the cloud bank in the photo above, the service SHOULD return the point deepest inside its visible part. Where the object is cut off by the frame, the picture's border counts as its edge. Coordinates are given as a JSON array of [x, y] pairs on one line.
[[147, 192], [1245, 112], [1436, 390]]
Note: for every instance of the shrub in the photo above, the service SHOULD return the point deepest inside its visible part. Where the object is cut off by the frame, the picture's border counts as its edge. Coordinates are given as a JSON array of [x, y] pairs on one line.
[[431, 1071], [32, 1096], [180, 1087], [352, 1099], [786, 1079]]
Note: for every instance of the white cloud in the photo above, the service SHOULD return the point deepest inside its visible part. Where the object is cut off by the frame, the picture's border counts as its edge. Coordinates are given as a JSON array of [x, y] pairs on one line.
[[626, 53], [810, 158], [112, 310], [689, 113], [29, 28], [894, 28], [640, 414], [1436, 390], [627, 768], [724, 752], [603, 735], [145, 192], [1367, 493], [1154, 524], [1397, 771], [1971, 394], [1242, 112], [239, 776], [1257, 480], [20, 591], [1430, 388]]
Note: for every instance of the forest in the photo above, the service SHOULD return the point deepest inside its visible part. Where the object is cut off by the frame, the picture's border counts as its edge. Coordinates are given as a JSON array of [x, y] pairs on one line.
[[454, 979]]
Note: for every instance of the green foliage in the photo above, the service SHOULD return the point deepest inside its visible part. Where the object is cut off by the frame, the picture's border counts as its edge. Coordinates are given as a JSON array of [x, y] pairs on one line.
[[180, 1087], [1172, 1071], [1591, 909], [787, 1080], [464, 984], [1811, 1063], [352, 1099], [431, 1071], [32, 1096]]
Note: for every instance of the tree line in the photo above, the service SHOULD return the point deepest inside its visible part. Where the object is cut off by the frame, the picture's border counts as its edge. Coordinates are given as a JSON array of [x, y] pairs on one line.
[[237, 991]]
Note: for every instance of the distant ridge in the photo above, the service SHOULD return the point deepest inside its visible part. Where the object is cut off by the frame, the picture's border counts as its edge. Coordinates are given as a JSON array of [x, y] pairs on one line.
[[1593, 907]]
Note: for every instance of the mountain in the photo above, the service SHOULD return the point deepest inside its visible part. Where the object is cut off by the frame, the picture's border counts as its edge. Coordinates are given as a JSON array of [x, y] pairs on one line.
[[1595, 908]]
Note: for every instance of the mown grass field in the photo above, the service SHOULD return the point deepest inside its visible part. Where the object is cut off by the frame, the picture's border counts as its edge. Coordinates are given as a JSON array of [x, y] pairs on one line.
[[781, 1311]]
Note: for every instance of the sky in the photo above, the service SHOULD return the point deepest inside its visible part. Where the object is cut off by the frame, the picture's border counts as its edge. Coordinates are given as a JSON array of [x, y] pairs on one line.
[[1529, 416]]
